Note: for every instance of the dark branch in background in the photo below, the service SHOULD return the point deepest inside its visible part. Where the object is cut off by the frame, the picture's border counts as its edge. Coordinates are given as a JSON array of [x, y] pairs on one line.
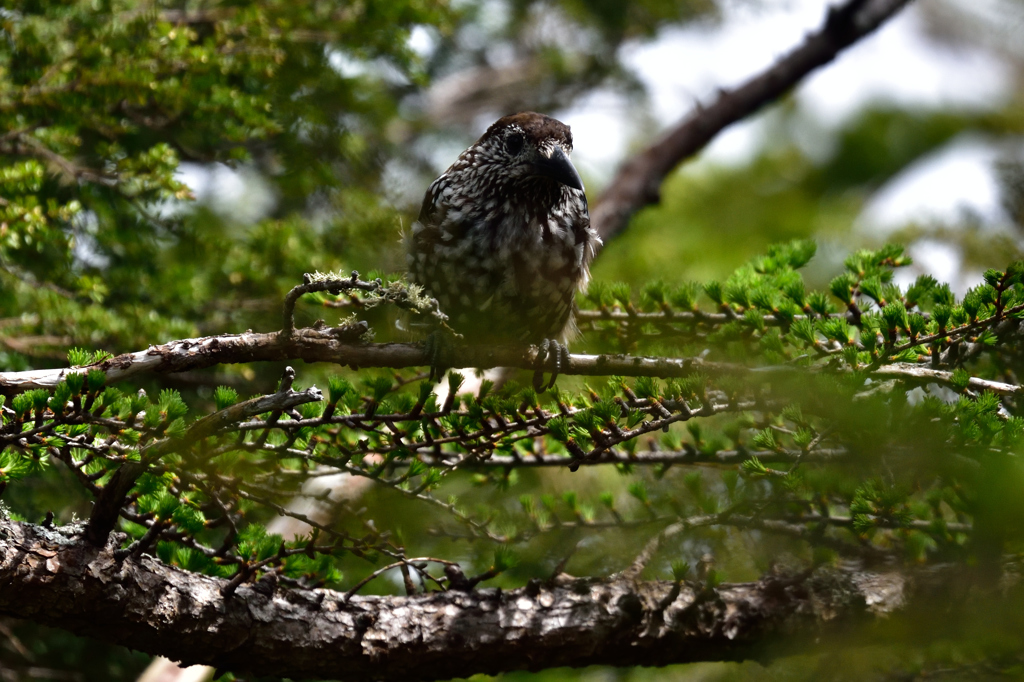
[[23, 144], [55, 578], [227, 14], [638, 181]]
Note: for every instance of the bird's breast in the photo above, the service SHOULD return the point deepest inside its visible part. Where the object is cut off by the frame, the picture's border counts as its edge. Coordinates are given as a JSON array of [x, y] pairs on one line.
[[503, 265]]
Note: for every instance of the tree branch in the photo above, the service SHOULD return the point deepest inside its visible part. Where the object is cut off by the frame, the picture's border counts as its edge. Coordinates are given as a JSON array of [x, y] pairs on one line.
[[638, 181], [26, 145], [336, 345], [56, 578], [650, 457], [284, 399]]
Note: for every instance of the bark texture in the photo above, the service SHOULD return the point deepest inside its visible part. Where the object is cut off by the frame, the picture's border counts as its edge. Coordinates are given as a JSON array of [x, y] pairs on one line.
[[335, 345], [54, 576]]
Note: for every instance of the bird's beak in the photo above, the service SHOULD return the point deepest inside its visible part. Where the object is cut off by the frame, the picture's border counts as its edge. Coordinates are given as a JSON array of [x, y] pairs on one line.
[[557, 166]]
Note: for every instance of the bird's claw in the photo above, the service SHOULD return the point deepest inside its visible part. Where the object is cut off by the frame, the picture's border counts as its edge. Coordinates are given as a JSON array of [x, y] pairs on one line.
[[554, 352]]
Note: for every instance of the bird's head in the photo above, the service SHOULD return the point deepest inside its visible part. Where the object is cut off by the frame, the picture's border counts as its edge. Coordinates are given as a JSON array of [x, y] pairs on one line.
[[530, 145]]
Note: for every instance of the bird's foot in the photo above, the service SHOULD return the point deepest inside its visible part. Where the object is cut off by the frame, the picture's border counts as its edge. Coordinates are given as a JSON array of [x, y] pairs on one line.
[[439, 346], [550, 352]]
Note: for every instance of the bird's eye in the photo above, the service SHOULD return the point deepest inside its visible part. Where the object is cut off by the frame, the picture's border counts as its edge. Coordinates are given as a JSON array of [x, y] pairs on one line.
[[514, 144]]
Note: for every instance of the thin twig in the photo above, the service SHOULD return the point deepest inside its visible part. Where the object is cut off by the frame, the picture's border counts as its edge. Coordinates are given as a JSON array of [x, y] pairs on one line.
[[380, 571]]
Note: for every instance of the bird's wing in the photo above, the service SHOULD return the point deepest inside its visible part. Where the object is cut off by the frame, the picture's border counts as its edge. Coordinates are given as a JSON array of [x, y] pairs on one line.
[[426, 231], [587, 242]]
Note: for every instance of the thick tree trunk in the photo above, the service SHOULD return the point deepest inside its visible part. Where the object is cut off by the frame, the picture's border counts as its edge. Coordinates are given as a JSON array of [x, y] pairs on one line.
[[56, 577]]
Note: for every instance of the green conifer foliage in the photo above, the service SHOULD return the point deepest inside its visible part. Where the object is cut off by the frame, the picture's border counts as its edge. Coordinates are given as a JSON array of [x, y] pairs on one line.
[[768, 404]]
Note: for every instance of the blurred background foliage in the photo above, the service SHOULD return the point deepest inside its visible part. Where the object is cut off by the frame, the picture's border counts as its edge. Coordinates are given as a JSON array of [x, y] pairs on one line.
[[171, 169]]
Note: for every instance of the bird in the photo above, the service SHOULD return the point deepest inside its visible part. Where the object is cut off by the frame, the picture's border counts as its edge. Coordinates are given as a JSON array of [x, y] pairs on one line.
[[503, 240]]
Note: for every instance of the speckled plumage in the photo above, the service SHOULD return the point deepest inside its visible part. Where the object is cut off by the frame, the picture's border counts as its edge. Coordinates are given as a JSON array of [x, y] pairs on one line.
[[503, 239]]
